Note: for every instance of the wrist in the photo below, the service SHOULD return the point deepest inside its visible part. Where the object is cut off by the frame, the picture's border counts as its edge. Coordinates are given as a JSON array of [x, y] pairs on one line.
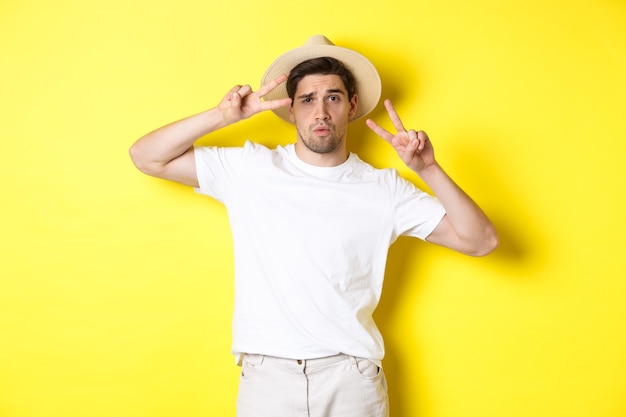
[[428, 170], [216, 118]]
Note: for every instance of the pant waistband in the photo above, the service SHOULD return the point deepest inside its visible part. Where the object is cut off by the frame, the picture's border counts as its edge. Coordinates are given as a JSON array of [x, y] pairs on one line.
[[310, 363]]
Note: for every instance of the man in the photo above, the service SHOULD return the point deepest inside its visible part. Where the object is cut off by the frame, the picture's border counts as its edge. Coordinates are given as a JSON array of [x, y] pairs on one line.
[[312, 225]]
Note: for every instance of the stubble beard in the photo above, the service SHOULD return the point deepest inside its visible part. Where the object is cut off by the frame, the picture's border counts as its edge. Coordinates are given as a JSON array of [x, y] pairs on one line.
[[321, 145]]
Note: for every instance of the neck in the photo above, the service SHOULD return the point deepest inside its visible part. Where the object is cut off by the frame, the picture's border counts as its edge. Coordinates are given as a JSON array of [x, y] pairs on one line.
[[329, 159]]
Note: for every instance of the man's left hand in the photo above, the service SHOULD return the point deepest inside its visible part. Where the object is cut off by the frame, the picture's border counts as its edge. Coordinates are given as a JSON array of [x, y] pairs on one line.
[[413, 147]]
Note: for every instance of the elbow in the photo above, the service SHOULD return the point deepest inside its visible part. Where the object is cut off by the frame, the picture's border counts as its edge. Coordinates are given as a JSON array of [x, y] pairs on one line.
[[136, 156], [487, 244]]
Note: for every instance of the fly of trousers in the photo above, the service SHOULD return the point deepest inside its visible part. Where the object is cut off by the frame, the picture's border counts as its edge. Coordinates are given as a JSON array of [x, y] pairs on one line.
[[335, 386]]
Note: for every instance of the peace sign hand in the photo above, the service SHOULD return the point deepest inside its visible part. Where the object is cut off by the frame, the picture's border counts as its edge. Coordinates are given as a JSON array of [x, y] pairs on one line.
[[414, 148], [241, 102]]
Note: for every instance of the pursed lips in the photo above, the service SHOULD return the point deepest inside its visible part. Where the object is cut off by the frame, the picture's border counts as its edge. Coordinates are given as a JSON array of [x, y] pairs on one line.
[[321, 130]]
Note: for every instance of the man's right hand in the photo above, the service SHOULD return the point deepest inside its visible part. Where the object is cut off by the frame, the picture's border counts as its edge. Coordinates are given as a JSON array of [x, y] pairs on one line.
[[241, 102]]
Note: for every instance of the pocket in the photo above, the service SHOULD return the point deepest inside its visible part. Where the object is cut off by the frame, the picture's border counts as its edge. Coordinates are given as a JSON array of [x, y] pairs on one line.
[[250, 365], [367, 368]]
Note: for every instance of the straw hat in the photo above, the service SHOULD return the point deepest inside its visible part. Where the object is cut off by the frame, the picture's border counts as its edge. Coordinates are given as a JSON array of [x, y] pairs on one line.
[[368, 85]]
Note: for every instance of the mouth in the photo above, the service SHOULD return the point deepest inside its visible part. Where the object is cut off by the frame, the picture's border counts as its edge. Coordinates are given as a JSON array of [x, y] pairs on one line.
[[321, 130]]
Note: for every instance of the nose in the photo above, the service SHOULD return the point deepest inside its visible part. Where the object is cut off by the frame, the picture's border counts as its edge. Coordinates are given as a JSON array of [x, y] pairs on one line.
[[321, 111]]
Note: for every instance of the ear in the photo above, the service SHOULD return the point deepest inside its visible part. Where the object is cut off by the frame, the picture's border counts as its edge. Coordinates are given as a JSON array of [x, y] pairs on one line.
[[354, 104], [292, 117]]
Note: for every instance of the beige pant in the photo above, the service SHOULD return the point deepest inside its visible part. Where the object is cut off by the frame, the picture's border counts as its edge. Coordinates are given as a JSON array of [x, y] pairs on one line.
[[336, 386]]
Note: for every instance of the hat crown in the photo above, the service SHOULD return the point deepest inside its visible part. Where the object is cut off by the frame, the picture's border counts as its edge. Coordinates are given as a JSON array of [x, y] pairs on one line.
[[318, 40]]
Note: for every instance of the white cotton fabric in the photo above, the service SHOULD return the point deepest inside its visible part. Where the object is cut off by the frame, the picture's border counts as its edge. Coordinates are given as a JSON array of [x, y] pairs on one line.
[[310, 247]]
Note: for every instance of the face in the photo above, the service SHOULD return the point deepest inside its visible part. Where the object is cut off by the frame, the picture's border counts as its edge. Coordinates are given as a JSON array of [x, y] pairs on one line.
[[321, 110]]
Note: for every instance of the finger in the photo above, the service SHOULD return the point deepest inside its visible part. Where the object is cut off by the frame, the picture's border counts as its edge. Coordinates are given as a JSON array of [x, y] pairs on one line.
[[234, 89], [393, 115], [416, 142], [423, 138], [244, 90], [380, 131], [275, 104], [263, 90], [231, 93]]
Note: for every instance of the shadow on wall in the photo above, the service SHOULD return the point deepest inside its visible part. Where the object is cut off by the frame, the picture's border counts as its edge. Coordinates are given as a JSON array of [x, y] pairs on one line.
[[396, 277], [516, 254], [513, 252], [494, 187]]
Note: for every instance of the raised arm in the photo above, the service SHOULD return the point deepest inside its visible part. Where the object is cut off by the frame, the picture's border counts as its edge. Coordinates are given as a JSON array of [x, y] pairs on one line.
[[168, 151], [464, 228]]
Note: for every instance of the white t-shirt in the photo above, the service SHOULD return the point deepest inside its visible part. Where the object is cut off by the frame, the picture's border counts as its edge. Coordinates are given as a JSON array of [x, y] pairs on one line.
[[310, 246]]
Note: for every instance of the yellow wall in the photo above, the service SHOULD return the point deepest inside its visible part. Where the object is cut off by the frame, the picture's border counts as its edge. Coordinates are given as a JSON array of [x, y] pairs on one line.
[[116, 288]]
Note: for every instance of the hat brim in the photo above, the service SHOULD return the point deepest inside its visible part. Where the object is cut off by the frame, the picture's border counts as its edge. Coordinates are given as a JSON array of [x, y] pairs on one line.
[[368, 84]]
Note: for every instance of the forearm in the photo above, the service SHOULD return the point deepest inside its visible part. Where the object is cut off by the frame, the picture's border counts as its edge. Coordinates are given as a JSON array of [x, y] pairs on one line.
[[471, 231], [159, 147]]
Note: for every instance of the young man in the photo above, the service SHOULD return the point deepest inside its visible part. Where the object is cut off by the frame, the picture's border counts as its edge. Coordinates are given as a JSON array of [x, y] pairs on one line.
[[312, 225]]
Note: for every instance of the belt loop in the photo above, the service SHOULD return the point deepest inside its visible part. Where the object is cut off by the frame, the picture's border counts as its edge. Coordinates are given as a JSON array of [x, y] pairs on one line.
[[262, 359], [353, 360]]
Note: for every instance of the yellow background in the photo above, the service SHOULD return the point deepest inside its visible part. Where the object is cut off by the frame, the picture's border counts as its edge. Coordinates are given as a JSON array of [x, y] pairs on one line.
[[116, 288]]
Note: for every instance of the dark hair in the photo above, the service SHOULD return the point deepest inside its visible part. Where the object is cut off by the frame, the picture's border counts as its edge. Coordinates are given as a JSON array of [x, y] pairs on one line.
[[324, 66]]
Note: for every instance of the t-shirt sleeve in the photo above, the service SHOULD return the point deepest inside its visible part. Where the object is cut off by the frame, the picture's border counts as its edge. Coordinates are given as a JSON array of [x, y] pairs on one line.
[[217, 168], [416, 212]]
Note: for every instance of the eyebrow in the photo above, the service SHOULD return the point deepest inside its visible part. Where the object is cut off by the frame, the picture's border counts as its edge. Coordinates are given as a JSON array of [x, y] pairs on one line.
[[329, 91]]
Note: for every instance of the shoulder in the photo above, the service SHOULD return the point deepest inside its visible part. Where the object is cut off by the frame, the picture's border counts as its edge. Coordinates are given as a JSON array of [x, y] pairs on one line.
[[367, 171], [249, 149]]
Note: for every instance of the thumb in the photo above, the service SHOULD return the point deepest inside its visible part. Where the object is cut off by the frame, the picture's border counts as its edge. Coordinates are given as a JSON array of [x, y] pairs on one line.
[[235, 100], [413, 141]]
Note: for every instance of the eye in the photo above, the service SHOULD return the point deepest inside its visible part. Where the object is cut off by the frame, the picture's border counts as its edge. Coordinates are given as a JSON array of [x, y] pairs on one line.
[[307, 100]]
